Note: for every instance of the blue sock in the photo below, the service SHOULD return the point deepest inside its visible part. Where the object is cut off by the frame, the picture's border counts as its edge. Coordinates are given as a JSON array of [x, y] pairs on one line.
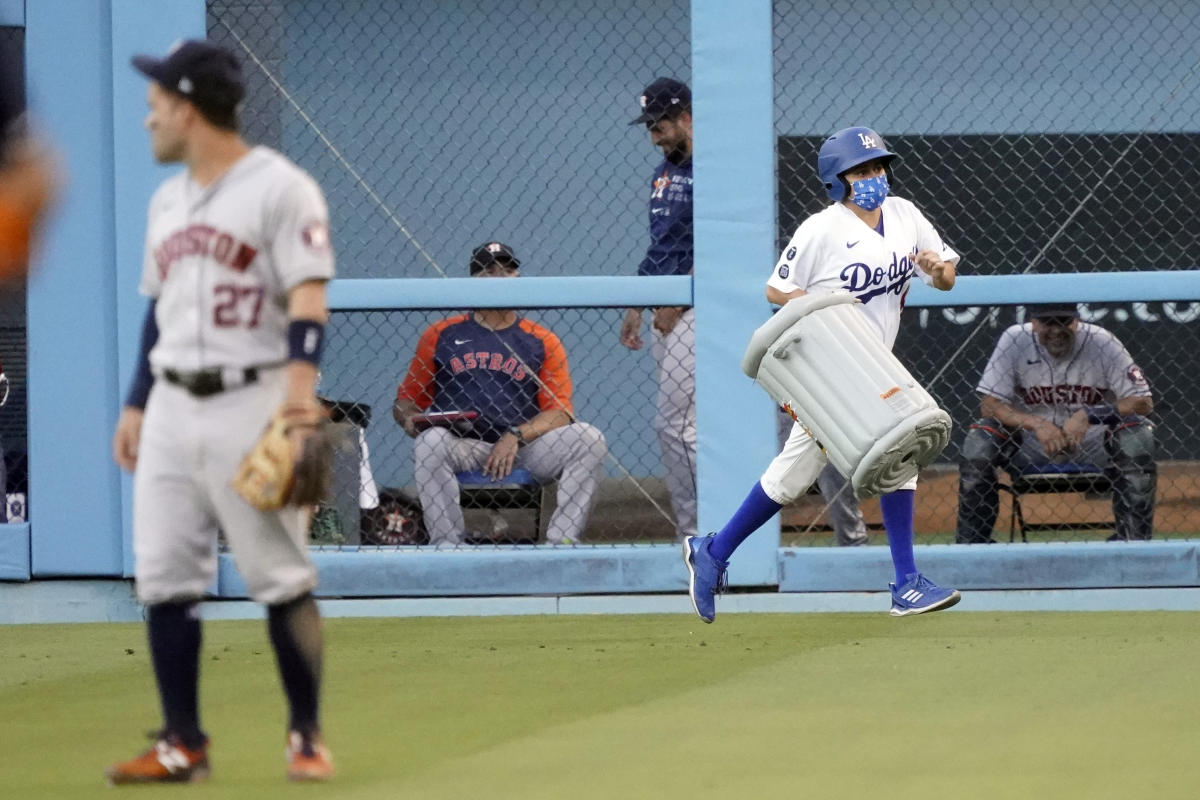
[[755, 510], [897, 508]]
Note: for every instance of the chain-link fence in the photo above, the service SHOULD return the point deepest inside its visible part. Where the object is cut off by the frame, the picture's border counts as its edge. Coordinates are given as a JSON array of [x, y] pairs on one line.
[[461, 381], [434, 128], [1046, 163], [432, 132], [948, 349]]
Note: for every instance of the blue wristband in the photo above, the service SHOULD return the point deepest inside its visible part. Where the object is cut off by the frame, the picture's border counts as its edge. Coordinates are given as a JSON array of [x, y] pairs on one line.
[[143, 379], [1102, 414], [306, 339]]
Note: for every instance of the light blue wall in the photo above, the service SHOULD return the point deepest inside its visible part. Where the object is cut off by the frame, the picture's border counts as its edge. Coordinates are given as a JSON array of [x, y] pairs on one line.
[[72, 320], [12, 12], [83, 311], [735, 237]]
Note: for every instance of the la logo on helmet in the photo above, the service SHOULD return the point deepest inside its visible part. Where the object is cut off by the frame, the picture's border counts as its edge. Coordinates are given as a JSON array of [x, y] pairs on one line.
[[868, 142]]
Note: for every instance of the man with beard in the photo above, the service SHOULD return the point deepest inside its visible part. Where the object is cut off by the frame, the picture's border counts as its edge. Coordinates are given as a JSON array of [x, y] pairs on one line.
[[1057, 390], [667, 114]]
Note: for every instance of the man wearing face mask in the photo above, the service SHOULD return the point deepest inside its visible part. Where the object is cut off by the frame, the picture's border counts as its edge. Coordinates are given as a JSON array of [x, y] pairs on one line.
[[1058, 390], [872, 245]]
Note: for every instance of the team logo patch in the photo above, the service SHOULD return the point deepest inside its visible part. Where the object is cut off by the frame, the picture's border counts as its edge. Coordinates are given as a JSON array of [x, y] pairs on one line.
[[1135, 375], [784, 271], [791, 253], [316, 236]]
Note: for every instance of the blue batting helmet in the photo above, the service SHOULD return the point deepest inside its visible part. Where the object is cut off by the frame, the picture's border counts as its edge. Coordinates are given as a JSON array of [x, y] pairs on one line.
[[848, 148]]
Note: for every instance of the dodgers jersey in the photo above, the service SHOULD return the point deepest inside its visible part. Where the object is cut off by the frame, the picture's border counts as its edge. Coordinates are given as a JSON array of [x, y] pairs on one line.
[[461, 365], [671, 249], [1097, 370], [221, 258], [834, 249]]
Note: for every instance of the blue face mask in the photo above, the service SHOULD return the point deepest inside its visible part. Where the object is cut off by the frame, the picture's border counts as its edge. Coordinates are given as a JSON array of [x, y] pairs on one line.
[[869, 192]]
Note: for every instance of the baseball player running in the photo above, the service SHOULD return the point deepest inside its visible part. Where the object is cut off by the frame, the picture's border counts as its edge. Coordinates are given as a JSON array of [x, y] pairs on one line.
[[872, 245], [236, 260]]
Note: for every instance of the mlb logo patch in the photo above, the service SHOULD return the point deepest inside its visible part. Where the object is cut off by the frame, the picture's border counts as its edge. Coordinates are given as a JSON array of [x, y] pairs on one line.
[[315, 236]]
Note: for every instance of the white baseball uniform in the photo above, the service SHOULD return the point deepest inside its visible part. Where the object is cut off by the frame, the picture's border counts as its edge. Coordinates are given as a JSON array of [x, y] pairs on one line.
[[835, 250], [220, 260]]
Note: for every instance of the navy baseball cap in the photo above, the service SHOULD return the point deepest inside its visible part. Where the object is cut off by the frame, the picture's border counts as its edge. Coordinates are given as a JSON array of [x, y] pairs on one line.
[[1053, 310], [491, 253], [665, 97], [206, 74]]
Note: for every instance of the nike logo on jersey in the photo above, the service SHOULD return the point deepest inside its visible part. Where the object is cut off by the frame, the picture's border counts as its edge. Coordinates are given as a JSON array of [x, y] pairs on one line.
[[1033, 361], [461, 341], [851, 244]]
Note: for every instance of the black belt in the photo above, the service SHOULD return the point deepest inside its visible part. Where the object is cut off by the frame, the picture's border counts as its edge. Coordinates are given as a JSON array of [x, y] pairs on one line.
[[207, 382]]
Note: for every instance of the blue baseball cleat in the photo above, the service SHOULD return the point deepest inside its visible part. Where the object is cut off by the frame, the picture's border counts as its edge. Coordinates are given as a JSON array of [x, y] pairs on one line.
[[706, 575], [919, 595]]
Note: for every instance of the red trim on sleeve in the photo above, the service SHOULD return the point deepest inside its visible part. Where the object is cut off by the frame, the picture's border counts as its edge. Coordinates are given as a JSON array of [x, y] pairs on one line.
[[555, 375], [418, 384]]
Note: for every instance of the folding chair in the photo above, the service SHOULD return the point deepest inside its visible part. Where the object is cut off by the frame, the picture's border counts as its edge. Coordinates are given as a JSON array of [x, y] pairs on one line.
[[1087, 479], [519, 491]]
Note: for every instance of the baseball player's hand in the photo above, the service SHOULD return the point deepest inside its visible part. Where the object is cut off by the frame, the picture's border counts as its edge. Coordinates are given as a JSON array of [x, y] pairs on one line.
[[406, 422], [1052, 438], [502, 458], [927, 260], [127, 437], [1076, 427], [666, 318], [931, 264], [631, 329], [404, 412]]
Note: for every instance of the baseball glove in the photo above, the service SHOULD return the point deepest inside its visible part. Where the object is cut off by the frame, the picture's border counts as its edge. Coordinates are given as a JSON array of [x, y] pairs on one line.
[[272, 475]]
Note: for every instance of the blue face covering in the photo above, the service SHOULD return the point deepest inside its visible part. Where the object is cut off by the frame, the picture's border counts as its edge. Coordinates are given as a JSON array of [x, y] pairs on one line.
[[869, 192]]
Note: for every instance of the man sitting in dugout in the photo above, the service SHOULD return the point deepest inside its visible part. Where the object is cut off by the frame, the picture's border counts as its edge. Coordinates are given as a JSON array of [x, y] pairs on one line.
[[511, 374], [1057, 390]]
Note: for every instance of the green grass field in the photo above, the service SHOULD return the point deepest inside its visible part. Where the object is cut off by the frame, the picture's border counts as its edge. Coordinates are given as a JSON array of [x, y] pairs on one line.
[[957, 705]]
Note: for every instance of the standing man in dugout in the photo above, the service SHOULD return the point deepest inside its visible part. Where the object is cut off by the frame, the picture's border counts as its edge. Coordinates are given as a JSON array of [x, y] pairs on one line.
[[1057, 390], [236, 261], [667, 114], [512, 373]]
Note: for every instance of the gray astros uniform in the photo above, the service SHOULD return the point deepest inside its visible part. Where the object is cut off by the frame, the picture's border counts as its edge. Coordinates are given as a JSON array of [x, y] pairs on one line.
[[1097, 370], [220, 261]]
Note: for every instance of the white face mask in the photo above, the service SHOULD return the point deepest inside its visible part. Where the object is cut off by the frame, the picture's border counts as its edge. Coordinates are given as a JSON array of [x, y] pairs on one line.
[[870, 192]]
